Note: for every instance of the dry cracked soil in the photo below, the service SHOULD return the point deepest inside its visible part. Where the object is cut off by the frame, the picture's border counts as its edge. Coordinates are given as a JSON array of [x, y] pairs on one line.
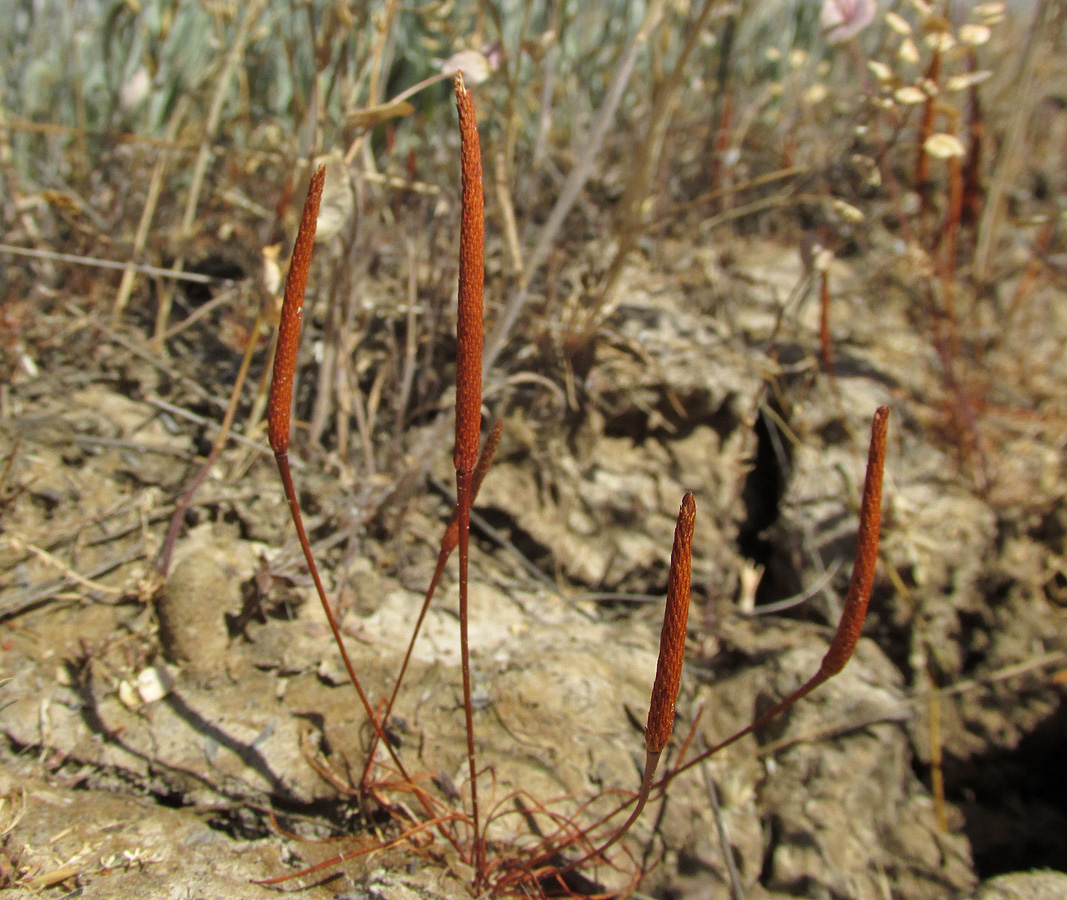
[[149, 727]]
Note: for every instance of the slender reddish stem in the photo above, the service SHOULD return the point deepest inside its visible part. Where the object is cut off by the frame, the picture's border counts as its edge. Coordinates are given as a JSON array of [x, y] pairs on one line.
[[281, 399], [920, 178], [972, 169], [449, 540]]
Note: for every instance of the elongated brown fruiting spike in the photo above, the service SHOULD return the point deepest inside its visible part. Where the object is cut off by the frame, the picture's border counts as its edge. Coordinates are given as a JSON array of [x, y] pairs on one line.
[[469, 410], [862, 581], [672, 636], [668, 669], [281, 386], [281, 398], [471, 283]]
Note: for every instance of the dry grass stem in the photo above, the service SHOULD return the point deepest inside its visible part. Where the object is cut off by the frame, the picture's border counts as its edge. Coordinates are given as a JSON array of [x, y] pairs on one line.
[[155, 186], [572, 187], [249, 15], [220, 441]]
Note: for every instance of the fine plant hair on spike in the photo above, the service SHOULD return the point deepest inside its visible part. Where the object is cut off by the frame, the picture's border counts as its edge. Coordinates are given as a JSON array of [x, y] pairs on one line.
[[281, 399], [469, 406]]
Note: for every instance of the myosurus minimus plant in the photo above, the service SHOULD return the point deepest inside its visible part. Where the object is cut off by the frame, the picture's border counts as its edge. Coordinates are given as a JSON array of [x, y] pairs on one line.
[[539, 867]]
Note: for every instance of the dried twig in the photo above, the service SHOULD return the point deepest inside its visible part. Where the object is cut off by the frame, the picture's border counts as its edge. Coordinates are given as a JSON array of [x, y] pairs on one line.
[[220, 441], [736, 887], [155, 186], [78, 259], [19, 545], [13, 604], [1011, 154]]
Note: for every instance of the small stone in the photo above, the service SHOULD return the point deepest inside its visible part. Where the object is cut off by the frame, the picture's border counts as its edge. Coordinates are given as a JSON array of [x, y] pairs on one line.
[[154, 683], [128, 695]]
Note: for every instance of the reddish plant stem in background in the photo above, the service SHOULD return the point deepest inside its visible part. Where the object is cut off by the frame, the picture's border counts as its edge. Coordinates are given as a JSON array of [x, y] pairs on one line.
[[950, 239], [972, 168], [920, 178], [951, 233], [721, 145], [469, 404]]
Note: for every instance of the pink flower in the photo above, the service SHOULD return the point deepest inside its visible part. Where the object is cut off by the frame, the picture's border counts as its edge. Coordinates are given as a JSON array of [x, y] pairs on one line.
[[842, 20]]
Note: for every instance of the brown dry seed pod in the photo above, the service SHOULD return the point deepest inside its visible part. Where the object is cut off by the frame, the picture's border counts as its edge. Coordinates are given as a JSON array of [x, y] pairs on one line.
[[281, 386], [859, 587], [672, 637], [471, 284]]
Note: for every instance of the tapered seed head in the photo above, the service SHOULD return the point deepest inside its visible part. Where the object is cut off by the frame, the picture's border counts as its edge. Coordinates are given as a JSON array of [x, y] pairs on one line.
[[281, 386], [672, 637], [471, 284], [862, 581]]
